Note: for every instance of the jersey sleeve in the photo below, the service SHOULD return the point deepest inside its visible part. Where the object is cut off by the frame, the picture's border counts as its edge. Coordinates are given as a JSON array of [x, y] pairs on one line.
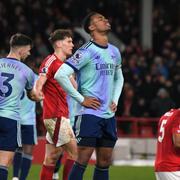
[[118, 77], [80, 58], [49, 69], [118, 58], [62, 77]]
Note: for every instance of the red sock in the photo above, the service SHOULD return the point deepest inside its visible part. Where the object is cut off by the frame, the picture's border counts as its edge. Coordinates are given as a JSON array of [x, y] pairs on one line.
[[47, 172], [67, 168]]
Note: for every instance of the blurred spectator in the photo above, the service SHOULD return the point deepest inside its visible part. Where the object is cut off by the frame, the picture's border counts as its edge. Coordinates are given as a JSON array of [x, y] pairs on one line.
[[161, 104]]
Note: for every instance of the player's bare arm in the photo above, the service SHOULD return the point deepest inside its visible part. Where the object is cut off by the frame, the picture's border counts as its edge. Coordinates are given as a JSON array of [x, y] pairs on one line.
[[33, 96], [39, 86]]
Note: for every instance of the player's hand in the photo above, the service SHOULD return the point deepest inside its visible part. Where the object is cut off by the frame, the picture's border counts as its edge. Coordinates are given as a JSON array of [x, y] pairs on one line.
[[36, 98], [33, 96], [113, 107], [37, 94], [91, 102]]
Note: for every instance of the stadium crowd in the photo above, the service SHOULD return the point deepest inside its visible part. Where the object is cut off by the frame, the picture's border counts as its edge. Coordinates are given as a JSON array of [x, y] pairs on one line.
[[152, 76]]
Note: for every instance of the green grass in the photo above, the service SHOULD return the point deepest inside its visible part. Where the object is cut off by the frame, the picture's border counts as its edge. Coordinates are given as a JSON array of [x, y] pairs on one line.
[[116, 173]]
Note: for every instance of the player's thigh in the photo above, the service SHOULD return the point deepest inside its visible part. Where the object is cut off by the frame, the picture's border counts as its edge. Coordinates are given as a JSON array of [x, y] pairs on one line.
[[52, 149], [6, 158], [104, 156], [167, 175], [52, 154], [71, 149]]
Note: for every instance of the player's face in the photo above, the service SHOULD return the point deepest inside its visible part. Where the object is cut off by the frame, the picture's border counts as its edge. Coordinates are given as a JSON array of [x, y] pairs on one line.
[[67, 46], [25, 52], [100, 23]]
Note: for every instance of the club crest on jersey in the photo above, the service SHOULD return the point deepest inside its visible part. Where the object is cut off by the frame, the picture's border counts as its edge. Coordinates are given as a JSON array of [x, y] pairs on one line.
[[113, 57], [44, 70], [76, 57]]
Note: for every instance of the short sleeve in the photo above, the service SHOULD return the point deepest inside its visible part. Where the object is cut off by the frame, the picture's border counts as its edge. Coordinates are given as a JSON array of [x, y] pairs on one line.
[[80, 58], [49, 69], [30, 79]]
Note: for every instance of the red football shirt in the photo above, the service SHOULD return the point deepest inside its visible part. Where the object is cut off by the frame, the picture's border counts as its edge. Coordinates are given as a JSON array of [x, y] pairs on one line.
[[167, 155], [55, 100]]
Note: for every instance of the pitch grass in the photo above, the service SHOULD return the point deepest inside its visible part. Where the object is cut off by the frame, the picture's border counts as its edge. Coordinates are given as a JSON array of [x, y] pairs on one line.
[[116, 173]]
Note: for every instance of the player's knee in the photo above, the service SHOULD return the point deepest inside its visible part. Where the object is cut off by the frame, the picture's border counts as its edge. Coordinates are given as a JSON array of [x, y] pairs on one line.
[[51, 158], [28, 149], [83, 160], [104, 161], [73, 155]]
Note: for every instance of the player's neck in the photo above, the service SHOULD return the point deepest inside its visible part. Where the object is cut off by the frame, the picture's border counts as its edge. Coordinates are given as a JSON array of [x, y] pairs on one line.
[[61, 56], [101, 39], [13, 55]]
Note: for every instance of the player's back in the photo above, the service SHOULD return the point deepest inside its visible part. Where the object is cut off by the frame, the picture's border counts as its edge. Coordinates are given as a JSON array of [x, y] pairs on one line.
[[168, 156], [14, 77]]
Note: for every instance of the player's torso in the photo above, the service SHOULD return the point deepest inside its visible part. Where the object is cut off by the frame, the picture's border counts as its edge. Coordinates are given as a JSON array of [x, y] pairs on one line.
[[96, 78], [55, 101], [168, 156]]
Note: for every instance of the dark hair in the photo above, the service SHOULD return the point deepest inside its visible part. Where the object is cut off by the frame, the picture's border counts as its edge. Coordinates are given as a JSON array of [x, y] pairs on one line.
[[60, 34], [87, 20], [19, 39]]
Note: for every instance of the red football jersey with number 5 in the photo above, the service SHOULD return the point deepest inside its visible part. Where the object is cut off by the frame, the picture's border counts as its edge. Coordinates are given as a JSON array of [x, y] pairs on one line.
[[167, 155]]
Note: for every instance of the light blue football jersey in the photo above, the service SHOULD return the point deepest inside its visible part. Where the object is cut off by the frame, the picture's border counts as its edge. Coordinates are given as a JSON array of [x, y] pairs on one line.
[[95, 67], [27, 109], [14, 78]]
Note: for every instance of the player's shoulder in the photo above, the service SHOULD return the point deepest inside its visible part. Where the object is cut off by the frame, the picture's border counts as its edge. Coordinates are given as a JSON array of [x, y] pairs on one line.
[[49, 59], [176, 112], [86, 46], [83, 51], [113, 48], [11, 60], [171, 114]]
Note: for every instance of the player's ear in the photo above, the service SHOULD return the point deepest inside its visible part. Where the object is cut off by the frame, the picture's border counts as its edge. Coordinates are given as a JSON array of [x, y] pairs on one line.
[[58, 43], [91, 27]]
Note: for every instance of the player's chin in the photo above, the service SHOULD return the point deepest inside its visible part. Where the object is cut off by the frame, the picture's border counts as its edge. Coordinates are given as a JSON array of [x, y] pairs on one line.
[[108, 28], [70, 52]]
